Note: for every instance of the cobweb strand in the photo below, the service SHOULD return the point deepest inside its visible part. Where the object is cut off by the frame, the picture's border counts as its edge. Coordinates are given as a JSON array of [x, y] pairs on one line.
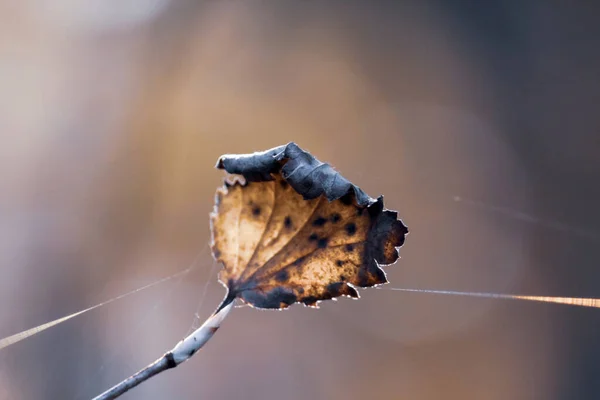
[[572, 301]]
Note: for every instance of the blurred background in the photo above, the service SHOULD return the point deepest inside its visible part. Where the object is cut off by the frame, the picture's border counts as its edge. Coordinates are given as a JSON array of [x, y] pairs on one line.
[[478, 121]]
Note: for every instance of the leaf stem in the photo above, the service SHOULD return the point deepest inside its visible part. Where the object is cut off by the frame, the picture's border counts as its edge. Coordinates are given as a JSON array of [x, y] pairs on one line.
[[182, 352]]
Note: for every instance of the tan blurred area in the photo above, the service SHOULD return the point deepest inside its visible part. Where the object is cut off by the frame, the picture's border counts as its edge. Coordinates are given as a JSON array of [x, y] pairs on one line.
[[112, 116]]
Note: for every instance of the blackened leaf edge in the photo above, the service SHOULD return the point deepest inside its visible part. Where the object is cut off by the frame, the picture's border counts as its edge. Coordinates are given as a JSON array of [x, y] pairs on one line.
[[308, 176]]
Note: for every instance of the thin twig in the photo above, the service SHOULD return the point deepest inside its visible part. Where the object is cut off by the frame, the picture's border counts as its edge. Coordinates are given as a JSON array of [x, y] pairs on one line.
[[182, 352]]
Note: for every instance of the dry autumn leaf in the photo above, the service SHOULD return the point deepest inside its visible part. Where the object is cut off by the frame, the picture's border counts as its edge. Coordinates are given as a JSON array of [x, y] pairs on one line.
[[295, 230]]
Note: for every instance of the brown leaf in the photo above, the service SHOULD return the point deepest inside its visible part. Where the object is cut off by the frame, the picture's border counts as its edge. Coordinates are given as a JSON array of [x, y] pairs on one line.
[[280, 245]]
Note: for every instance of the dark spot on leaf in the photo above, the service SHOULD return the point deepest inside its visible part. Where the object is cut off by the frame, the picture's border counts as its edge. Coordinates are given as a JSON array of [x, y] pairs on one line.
[[350, 228], [288, 221], [282, 276], [351, 292], [327, 296], [309, 300], [301, 290], [342, 278], [322, 243], [313, 237], [289, 298], [376, 208], [256, 211], [283, 184], [299, 261], [359, 211], [363, 278], [319, 221], [271, 299], [339, 263], [346, 199], [335, 218], [335, 289], [217, 254], [349, 247], [380, 275]]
